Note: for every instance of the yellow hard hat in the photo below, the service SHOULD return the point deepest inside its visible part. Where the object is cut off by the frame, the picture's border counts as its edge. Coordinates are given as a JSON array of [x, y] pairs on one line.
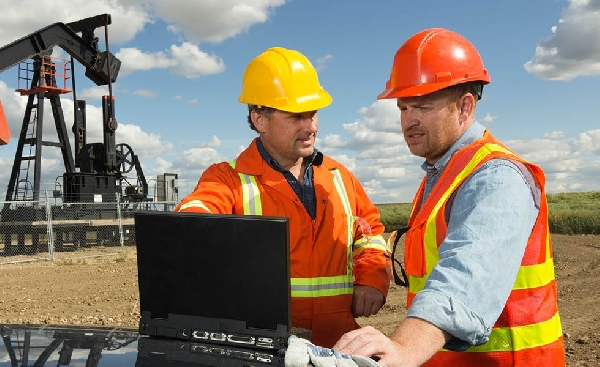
[[285, 80]]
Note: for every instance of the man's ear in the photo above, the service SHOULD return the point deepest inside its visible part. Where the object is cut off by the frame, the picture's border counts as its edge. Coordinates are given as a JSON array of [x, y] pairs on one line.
[[258, 121], [466, 106]]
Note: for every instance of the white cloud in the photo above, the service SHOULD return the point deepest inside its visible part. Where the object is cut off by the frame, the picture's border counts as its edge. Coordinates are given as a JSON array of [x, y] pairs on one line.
[[348, 162], [573, 49], [145, 145], [94, 93], [588, 143], [214, 143], [321, 62], [186, 60], [372, 145], [191, 62], [390, 173], [330, 142], [487, 119], [195, 160], [554, 135], [213, 21], [194, 21], [133, 59], [128, 17]]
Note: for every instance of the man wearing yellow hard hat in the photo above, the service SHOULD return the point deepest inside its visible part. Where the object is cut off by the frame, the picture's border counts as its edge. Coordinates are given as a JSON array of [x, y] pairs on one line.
[[340, 264]]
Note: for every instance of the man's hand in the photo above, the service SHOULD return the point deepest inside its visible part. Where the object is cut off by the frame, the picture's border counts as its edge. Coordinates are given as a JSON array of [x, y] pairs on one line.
[[370, 342], [366, 301], [413, 343]]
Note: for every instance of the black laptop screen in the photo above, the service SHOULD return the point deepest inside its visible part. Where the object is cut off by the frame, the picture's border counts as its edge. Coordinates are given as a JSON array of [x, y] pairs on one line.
[[218, 266]]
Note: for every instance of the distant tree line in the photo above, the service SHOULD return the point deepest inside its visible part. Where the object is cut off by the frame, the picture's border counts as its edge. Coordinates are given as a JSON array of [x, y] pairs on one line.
[[568, 213]]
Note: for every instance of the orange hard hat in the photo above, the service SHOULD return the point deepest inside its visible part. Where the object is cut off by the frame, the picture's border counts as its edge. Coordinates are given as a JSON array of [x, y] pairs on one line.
[[431, 60]]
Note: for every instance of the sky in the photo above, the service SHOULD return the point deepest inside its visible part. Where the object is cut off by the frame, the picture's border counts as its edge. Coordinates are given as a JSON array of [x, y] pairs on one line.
[[176, 95]]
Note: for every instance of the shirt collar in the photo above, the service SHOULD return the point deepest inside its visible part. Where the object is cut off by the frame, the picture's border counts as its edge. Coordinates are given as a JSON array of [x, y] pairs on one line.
[[315, 159], [473, 133]]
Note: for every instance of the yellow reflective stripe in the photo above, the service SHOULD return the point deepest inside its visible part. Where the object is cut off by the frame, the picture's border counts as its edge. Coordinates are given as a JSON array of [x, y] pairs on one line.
[[322, 286], [528, 277], [342, 193], [250, 193], [416, 284], [534, 276], [375, 242], [430, 240], [521, 337], [194, 204]]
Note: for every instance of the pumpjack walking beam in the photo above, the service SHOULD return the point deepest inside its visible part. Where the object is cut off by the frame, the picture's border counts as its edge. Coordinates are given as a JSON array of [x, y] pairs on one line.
[[101, 67]]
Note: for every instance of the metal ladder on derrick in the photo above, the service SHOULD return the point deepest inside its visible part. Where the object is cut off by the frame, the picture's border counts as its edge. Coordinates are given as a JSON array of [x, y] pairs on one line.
[[44, 78]]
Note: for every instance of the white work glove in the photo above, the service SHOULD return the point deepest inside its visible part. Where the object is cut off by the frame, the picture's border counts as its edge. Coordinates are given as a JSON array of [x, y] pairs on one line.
[[302, 353]]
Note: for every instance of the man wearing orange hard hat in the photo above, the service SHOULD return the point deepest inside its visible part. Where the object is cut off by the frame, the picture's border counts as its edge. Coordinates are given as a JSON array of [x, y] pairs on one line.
[[478, 254], [340, 264]]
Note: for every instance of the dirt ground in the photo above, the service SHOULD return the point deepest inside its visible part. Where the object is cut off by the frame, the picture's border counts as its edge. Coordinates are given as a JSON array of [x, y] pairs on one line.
[[103, 291]]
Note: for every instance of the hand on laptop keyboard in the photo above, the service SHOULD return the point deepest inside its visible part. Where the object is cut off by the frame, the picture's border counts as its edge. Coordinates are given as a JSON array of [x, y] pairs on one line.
[[302, 353]]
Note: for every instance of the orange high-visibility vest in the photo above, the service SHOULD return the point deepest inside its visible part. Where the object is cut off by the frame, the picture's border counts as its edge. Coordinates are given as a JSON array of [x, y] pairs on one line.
[[528, 331]]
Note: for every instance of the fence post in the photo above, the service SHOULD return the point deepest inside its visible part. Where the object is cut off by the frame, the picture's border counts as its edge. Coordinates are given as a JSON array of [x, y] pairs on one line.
[[121, 239], [49, 231]]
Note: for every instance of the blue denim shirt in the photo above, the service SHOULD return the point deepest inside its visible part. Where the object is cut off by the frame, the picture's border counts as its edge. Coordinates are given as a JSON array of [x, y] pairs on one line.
[[490, 219]]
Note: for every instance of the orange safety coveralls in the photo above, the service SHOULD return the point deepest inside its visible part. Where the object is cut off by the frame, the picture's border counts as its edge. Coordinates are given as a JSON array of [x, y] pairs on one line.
[[326, 259]]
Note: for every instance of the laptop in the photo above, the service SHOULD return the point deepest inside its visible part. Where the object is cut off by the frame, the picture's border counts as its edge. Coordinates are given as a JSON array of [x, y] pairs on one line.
[[215, 278], [163, 352]]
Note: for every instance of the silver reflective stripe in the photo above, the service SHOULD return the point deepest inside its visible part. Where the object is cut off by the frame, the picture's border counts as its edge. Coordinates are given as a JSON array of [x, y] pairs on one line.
[[322, 286], [374, 242], [194, 204], [250, 193], [341, 190]]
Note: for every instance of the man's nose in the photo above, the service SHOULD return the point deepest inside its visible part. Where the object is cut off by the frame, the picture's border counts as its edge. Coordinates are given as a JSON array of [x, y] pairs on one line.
[[408, 119], [310, 123]]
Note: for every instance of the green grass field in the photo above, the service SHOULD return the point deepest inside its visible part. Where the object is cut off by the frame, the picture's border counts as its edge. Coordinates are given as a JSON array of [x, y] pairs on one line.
[[569, 213]]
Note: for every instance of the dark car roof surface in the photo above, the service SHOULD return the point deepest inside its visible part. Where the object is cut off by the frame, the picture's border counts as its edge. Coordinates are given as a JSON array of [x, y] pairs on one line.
[[74, 345]]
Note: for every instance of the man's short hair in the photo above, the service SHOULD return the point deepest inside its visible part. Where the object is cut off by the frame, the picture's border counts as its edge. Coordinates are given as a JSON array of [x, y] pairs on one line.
[[261, 110]]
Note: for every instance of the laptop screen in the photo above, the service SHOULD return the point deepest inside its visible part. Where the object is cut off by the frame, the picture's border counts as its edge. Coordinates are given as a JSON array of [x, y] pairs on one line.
[[216, 266]]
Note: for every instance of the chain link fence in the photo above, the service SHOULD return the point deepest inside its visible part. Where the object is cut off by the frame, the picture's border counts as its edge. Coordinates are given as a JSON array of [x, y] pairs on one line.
[[49, 230]]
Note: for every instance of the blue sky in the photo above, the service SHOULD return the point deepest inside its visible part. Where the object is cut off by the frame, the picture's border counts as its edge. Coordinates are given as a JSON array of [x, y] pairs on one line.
[[183, 61]]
